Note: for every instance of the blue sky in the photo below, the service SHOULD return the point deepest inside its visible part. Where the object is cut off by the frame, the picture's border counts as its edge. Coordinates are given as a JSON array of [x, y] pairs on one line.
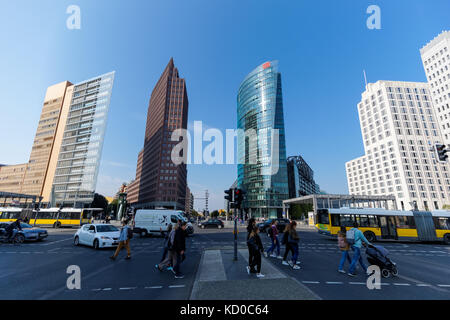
[[322, 48]]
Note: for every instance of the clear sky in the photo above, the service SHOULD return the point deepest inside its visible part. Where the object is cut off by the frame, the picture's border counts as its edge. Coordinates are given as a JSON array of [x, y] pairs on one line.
[[322, 48]]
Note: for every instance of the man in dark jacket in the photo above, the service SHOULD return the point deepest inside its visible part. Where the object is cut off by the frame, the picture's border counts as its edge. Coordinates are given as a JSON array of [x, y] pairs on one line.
[[12, 228], [179, 246]]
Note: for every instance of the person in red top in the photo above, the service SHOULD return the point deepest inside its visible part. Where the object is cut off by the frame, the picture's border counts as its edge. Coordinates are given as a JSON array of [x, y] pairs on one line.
[[273, 232]]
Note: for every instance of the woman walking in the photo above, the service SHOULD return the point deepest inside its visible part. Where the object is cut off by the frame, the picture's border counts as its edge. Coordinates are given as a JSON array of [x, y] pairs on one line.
[[287, 247], [124, 241], [250, 226], [293, 240], [344, 247], [255, 248], [166, 245], [170, 259]]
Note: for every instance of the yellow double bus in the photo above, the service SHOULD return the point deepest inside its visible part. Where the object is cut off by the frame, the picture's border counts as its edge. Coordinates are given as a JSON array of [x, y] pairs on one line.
[[66, 217], [379, 224]]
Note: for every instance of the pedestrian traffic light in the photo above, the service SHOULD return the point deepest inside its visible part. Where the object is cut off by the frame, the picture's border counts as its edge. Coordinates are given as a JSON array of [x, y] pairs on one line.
[[441, 152], [229, 195]]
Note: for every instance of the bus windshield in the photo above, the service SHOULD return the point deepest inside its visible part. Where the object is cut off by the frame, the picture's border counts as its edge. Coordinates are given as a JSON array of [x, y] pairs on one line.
[[322, 217]]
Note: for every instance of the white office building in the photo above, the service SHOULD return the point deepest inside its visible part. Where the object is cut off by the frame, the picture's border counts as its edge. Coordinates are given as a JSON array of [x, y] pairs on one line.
[[399, 130], [436, 62]]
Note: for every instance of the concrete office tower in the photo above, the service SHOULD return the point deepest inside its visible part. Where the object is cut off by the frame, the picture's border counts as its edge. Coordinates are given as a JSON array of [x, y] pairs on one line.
[[75, 178], [399, 129], [260, 109], [436, 62], [159, 182]]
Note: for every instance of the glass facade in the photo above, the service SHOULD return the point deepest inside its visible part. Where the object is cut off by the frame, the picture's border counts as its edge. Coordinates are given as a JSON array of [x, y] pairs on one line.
[[261, 151], [301, 178], [79, 157]]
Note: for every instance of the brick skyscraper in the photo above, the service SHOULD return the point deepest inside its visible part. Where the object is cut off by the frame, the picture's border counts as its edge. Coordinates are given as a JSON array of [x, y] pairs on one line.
[[159, 182]]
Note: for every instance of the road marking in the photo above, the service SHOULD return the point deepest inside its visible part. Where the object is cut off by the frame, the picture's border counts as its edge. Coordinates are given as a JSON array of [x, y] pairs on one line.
[[423, 285], [444, 285], [47, 244], [312, 282], [177, 286], [332, 282], [360, 283], [107, 289], [128, 288], [401, 284], [154, 287]]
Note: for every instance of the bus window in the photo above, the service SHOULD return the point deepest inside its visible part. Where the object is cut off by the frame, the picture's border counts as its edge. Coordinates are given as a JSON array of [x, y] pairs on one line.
[[335, 220], [47, 215], [372, 221], [69, 216], [363, 221], [322, 217], [442, 223], [347, 220]]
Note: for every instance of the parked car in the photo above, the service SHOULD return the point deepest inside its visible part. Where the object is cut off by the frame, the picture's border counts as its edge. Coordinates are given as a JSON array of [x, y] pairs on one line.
[[264, 226], [212, 223], [97, 236], [29, 232]]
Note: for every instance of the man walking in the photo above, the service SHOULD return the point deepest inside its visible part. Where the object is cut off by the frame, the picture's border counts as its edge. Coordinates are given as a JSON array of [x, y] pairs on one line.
[[179, 247], [124, 241], [358, 237], [273, 232]]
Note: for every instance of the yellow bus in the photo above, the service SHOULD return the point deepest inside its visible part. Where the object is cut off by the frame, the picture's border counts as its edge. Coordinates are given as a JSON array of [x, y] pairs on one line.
[[379, 224], [66, 217], [10, 214]]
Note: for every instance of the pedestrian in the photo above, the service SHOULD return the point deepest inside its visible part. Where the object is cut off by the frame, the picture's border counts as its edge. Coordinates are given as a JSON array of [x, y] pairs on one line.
[[170, 259], [344, 247], [273, 233], [250, 226], [255, 246], [293, 240], [166, 243], [358, 238], [124, 240], [179, 247], [285, 241]]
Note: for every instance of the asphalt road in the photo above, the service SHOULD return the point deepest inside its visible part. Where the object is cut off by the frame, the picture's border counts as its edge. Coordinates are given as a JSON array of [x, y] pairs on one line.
[[38, 270]]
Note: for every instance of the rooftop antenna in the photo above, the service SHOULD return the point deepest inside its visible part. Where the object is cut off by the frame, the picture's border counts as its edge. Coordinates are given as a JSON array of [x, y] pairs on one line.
[[365, 77]]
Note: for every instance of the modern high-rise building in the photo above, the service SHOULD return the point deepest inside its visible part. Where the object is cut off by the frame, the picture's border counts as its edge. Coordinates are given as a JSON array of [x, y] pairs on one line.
[[159, 182], [262, 169], [399, 129], [436, 62], [79, 156], [300, 178], [57, 123]]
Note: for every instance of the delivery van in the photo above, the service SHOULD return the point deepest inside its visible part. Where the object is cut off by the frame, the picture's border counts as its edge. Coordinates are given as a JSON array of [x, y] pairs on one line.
[[156, 222]]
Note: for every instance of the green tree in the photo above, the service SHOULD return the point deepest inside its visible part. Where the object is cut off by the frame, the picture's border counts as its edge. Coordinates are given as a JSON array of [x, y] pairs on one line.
[[300, 211], [214, 214], [100, 202]]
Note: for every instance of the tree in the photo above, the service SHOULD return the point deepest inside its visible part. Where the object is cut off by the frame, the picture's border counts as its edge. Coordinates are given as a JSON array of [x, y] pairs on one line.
[[194, 213], [300, 211], [100, 202], [214, 214]]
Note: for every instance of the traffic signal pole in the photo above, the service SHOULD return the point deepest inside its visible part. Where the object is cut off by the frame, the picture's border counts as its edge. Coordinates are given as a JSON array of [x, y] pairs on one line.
[[235, 235]]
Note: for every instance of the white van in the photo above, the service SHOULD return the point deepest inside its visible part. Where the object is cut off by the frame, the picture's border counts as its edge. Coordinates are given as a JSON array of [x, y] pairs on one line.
[[148, 222]]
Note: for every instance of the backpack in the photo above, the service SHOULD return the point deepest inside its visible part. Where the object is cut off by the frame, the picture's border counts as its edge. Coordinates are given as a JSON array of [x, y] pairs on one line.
[[350, 236], [129, 233], [251, 243]]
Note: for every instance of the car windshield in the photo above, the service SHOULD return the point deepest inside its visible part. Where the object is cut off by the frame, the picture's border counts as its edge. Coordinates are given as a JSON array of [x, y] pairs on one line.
[[106, 228], [25, 225]]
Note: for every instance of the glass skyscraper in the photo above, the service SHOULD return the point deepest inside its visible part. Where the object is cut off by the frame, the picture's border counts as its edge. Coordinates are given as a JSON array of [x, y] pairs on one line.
[[82, 142], [262, 165]]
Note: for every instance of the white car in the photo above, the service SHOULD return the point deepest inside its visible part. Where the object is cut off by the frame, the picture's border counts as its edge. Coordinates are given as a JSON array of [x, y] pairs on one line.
[[97, 236]]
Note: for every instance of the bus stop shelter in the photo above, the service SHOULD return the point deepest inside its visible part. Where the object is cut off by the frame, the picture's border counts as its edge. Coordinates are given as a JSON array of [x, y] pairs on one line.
[[24, 200], [330, 201]]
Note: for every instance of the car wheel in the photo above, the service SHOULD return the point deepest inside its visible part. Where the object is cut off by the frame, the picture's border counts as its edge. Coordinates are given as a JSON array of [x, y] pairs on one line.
[[394, 271], [20, 238], [76, 241], [447, 238], [96, 244], [143, 233], [219, 227], [370, 236], [203, 227], [57, 225], [385, 273]]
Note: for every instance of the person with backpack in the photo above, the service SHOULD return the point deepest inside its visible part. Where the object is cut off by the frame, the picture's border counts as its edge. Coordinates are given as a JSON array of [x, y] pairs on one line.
[[179, 247], [355, 237], [255, 248], [124, 240], [293, 240], [273, 233], [344, 247]]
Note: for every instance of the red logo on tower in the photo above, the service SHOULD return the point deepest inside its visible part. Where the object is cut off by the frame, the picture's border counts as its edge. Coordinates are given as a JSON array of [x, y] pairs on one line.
[[266, 65]]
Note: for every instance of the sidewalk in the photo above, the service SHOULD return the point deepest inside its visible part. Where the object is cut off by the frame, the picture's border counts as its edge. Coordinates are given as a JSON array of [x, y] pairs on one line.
[[221, 278]]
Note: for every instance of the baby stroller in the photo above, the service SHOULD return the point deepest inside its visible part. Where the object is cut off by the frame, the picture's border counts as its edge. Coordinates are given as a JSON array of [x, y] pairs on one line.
[[377, 255]]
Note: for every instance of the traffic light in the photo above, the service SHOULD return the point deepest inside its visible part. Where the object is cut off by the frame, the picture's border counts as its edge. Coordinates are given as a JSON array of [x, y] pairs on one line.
[[441, 152], [230, 195], [239, 197]]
